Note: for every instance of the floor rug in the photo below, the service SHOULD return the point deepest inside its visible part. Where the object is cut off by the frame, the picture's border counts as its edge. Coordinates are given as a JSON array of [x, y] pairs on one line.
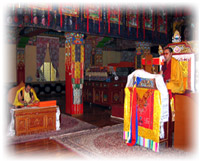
[[107, 142], [68, 124]]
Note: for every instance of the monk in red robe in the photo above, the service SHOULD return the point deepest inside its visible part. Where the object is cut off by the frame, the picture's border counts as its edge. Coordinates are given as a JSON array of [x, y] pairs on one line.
[[172, 72]]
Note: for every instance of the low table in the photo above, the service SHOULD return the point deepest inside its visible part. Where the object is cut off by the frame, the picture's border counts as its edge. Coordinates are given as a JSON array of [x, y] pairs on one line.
[[28, 120]]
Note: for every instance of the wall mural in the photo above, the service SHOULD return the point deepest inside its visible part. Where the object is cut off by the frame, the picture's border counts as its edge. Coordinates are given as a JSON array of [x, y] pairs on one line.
[[162, 21]]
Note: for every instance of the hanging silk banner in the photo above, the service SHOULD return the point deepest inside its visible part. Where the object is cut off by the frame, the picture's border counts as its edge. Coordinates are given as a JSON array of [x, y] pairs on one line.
[[144, 23], [108, 19], [128, 19], [142, 111], [61, 21], [148, 20], [142, 114], [119, 21], [93, 12], [70, 10], [162, 21], [132, 19], [137, 22]]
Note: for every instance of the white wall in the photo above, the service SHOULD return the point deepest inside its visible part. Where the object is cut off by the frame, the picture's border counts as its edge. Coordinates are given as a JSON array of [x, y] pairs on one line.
[[10, 64]]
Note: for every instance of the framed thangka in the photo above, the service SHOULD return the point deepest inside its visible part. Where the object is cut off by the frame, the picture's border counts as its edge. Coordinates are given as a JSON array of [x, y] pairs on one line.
[[162, 21], [148, 19], [114, 15], [41, 6], [93, 12], [69, 10], [132, 17]]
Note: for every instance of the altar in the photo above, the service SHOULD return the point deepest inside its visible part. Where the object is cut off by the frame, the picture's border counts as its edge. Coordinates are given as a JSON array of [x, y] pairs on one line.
[[146, 110]]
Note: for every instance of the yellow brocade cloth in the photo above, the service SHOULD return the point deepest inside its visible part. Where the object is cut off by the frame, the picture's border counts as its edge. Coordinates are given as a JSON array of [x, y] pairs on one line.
[[27, 97], [18, 103], [142, 95], [176, 82]]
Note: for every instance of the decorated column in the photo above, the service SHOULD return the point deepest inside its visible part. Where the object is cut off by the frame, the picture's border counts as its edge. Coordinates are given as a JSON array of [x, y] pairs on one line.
[[74, 72]]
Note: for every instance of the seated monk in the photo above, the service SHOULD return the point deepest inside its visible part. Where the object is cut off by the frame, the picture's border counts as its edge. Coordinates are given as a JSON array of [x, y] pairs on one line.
[[172, 72], [25, 96]]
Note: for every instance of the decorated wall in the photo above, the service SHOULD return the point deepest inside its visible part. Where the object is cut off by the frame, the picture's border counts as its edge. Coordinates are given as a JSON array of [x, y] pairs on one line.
[[128, 22]]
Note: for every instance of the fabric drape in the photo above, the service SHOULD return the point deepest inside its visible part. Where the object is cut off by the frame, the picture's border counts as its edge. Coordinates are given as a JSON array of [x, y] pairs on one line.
[[53, 52]]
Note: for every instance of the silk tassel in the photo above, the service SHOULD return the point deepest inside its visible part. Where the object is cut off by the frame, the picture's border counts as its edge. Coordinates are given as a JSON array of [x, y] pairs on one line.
[[99, 19], [108, 20], [87, 20], [61, 17], [119, 22]]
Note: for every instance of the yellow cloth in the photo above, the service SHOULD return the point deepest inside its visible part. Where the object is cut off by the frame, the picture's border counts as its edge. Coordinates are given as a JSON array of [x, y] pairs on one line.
[[127, 108], [152, 134], [27, 97], [176, 82], [18, 103]]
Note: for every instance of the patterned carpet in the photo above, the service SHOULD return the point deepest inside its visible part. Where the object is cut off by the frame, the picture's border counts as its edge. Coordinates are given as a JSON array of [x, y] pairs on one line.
[[108, 142], [68, 124]]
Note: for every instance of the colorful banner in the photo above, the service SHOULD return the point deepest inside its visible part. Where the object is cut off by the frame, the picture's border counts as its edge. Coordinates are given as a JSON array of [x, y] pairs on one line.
[[94, 12], [142, 113], [41, 6], [70, 10], [114, 15], [148, 19], [132, 18], [162, 21]]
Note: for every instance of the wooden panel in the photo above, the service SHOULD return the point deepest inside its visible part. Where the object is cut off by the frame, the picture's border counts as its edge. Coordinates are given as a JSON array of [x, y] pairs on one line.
[[117, 97], [185, 108], [104, 93], [34, 120]]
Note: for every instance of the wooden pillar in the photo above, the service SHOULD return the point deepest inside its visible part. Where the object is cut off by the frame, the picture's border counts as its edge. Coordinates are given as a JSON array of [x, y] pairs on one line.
[[74, 72], [20, 65]]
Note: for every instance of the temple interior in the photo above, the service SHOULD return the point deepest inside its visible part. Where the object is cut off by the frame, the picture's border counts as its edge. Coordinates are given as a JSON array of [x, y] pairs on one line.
[[97, 73]]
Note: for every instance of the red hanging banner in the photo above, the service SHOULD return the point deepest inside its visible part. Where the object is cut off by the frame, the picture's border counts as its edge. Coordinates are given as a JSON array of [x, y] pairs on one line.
[[158, 24], [61, 17], [128, 19], [143, 23], [31, 15], [99, 17], [87, 20], [48, 16], [137, 21], [152, 23], [119, 22], [166, 24], [76, 26], [108, 19]]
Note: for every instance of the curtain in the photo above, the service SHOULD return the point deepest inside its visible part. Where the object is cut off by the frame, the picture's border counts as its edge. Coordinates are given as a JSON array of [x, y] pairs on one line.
[[41, 52], [54, 54]]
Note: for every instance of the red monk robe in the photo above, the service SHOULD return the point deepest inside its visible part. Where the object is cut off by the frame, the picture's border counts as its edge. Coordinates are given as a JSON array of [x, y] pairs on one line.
[[173, 76]]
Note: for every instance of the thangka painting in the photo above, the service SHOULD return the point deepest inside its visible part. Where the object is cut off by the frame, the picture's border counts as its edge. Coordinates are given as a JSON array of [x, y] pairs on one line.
[[161, 21], [115, 14], [148, 19], [132, 17], [41, 6], [20, 56], [70, 10], [95, 12]]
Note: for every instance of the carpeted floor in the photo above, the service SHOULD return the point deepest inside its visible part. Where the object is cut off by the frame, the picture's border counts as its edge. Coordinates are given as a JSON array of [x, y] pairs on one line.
[[68, 124], [108, 142]]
